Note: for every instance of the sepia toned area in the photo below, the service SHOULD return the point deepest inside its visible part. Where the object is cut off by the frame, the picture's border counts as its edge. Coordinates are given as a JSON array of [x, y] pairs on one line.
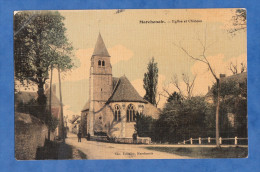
[[130, 84]]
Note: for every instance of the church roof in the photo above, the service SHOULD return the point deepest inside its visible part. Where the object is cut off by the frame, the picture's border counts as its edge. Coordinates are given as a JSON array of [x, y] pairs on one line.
[[114, 81], [100, 48], [125, 92]]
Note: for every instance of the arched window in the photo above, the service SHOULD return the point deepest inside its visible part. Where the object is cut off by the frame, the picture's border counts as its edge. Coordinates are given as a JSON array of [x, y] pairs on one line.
[[103, 63], [130, 114], [99, 63], [117, 113]]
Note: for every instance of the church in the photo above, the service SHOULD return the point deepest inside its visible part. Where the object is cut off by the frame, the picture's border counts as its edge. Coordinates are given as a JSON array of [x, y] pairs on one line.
[[113, 101]]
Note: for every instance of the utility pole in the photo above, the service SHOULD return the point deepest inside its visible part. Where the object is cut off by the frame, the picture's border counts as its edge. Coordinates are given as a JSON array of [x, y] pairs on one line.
[[61, 105], [217, 113], [50, 114]]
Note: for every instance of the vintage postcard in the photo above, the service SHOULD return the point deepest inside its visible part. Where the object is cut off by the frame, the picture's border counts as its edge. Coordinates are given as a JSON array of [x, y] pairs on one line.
[[130, 84]]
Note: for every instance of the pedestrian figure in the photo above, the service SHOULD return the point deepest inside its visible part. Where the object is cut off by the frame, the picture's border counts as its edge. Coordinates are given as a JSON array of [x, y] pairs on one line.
[[88, 136], [79, 136], [135, 137]]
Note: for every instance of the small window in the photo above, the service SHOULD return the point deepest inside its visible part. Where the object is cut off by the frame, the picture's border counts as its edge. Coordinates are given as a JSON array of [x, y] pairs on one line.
[[99, 63], [103, 63]]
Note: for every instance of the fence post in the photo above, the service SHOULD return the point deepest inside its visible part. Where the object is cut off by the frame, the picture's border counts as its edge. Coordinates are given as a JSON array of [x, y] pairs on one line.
[[236, 140], [191, 141], [208, 139], [220, 140], [199, 140]]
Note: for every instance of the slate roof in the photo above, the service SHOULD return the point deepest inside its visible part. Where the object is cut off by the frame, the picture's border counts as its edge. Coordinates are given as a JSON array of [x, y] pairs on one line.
[[100, 48], [114, 82], [125, 92]]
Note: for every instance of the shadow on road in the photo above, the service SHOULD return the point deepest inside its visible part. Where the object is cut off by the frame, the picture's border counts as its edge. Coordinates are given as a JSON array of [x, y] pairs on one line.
[[58, 150]]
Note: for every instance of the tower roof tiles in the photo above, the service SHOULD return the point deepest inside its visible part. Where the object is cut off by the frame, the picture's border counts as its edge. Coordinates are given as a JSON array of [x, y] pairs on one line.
[[100, 48]]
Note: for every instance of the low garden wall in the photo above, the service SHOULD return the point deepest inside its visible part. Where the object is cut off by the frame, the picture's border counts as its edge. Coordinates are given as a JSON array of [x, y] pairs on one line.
[[140, 140], [30, 134]]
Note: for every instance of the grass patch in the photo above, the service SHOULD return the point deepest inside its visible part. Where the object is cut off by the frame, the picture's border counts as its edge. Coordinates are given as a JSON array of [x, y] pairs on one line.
[[205, 152]]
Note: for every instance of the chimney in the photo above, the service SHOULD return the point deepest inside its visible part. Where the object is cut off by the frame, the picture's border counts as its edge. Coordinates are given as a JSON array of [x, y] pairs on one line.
[[54, 89], [222, 75]]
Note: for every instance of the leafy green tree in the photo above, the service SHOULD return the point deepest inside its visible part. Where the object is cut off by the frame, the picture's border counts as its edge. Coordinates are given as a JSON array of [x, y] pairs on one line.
[[182, 120], [150, 82], [204, 59], [233, 100], [239, 21], [39, 44], [174, 97], [145, 126]]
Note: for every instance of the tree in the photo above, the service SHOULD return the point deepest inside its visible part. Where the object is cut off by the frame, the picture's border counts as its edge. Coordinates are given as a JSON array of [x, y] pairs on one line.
[[189, 84], [38, 38], [181, 120], [233, 100], [234, 68], [203, 59], [150, 82], [181, 94], [174, 97], [238, 21], [145, 126]]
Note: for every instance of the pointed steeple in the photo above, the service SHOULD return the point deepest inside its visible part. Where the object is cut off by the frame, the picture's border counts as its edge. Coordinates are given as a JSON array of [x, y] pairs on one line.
[[100, 48]]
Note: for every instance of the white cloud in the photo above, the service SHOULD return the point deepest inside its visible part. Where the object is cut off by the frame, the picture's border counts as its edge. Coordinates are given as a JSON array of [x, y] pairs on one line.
[[118, 53], [219, 65]]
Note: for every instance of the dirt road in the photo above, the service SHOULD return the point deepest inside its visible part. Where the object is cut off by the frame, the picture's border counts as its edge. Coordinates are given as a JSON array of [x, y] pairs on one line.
[[102, 150]]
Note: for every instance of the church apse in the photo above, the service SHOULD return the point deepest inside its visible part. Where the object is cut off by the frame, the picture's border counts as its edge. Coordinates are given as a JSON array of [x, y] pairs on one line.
[[113, 102]]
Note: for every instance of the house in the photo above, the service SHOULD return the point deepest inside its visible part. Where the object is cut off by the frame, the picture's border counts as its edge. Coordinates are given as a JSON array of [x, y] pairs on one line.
[[113, 101], [240, 79], [74, 124], [233, 95]]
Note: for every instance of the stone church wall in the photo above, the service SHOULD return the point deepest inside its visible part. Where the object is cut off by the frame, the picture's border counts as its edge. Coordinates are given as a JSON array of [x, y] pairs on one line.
[[129, 129]]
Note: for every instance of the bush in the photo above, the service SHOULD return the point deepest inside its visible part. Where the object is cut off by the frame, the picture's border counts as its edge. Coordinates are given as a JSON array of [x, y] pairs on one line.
[[145, 126], [181, 120]]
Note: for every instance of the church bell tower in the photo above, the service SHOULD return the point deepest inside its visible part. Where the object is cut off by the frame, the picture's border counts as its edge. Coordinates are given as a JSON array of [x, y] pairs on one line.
[[100, 81]]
